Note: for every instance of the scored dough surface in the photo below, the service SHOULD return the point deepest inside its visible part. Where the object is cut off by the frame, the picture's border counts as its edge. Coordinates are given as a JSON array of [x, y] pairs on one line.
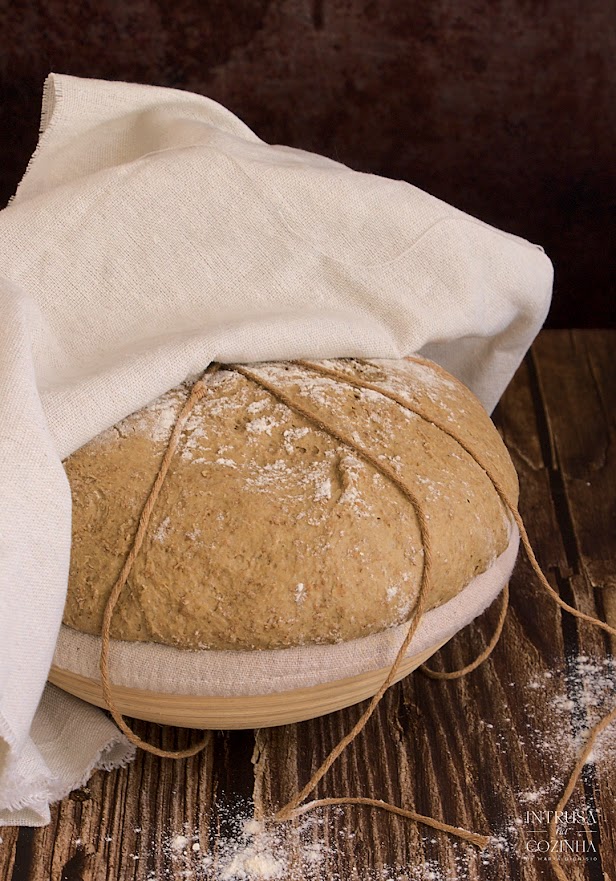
[[270, 533]]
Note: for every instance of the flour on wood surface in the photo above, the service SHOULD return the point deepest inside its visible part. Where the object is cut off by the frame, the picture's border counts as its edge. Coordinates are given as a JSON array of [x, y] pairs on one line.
[[308, 849], [586, 691], [560, 706], [236, 847]]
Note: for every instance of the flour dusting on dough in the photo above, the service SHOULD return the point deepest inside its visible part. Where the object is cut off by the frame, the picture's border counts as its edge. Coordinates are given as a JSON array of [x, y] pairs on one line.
[[260, 499], [160, 534]]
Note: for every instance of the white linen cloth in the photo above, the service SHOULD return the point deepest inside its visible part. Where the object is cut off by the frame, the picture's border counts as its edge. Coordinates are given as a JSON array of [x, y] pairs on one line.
[[152, 233]]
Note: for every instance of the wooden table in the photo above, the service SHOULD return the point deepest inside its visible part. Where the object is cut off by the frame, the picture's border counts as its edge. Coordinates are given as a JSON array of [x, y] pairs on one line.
[[477, 752]]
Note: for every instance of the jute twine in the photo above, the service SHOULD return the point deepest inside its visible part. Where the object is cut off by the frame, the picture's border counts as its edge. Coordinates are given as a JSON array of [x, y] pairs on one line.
[[294, 807]]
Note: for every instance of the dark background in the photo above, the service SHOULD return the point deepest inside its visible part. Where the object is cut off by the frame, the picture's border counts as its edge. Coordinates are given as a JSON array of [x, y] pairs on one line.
[[505, 109]]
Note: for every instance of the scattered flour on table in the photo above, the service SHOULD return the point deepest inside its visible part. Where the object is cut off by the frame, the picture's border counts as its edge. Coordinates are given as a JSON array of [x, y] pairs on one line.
[[560, 706], [236, 847], [250, 850], [577, 696]]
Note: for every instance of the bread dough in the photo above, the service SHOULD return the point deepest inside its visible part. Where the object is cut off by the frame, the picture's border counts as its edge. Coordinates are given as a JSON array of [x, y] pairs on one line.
[[268, 532]]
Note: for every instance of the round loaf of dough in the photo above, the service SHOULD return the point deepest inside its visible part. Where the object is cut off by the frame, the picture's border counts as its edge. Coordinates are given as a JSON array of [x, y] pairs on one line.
[[270, 533]]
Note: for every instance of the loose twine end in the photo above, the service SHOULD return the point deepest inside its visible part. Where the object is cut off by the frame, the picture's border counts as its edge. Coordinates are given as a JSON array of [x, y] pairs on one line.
[[294, 807], [475, 838]]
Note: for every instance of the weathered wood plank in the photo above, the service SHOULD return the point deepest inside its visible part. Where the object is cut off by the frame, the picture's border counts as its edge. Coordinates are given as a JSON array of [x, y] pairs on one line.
[[113, 827], [578, 384], [521, 420], [8, 847], [600, 348], [578, 381]]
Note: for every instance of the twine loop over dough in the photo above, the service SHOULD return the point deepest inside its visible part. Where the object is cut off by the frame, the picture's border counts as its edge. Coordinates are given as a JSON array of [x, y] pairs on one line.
[[294, 807]]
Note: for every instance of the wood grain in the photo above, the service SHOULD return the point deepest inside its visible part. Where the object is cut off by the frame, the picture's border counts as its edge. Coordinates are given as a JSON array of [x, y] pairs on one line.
[[576, 375], [468, 752]]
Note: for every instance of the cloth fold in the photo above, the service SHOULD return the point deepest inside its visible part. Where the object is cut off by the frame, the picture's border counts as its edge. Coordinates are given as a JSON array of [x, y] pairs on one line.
[[152, 233]]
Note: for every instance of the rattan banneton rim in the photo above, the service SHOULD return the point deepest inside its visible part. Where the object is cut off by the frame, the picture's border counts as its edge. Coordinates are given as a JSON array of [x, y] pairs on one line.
[[238, 711]]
